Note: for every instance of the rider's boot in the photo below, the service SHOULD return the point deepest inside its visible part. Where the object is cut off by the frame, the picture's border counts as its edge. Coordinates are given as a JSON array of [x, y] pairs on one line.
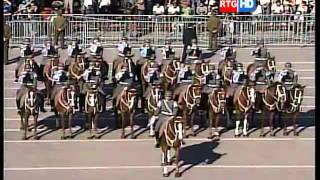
[[157, 145]]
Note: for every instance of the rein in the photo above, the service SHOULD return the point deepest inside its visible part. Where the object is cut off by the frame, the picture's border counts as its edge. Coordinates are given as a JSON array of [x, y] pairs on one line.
[[247, 102], [295, 101], [173, 71], [168, 129], [130, 102], [190, 105], [32, 107], [216, 108]]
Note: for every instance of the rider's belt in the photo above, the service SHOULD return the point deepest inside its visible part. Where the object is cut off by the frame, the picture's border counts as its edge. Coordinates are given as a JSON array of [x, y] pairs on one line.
[[212, 85], [261, 59], [186, 81], [166, 113], [288, 83], [123, 83], [262, 83]]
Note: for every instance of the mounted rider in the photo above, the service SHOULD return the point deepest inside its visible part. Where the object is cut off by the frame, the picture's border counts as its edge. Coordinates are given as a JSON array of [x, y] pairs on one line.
[[167, 109], [193, 52], [74, 49], [28, 79], [287, 76], [238, 79], [26, 51], [211, 80], [228, 53], [124, 80], [153, 76], [96, 47], [167, 51], [261, 53], [124, 51], [60, 78], [260, 79], [186, 75], [48, 51]]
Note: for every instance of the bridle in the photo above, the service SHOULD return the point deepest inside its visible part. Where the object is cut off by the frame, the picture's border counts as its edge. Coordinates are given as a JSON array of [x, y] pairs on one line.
[[295, 99], [176, 67], [30, 102], [92, 101], [191, 94], [176, 131], [217, 102], [279, 97], [250, 98], [128, 98], [155, 95], [70, 98]]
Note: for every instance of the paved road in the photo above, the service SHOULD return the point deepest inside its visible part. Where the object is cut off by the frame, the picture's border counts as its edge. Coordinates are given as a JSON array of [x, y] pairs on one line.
[[110, 157]]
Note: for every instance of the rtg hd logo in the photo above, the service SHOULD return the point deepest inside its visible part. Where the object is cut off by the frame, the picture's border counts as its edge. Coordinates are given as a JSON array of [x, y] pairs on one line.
[[236, 6]]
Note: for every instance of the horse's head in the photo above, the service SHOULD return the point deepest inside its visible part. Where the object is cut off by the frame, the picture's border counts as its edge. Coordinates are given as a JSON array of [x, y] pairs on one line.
[[176, 64], [31, 100], [296, 95], [129, 97], [220, 98], [156, 93], [70, 95], [280, 95], [79, 60], [271, 64], [178, 127], [250, 93], [195, 92]]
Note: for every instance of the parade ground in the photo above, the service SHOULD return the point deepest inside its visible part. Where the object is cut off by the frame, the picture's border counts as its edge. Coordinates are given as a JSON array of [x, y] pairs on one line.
[[226, 158]]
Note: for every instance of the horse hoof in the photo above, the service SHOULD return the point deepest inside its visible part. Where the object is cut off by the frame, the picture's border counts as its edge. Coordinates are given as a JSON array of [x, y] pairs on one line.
[[62, 137], [122, 137], [24, 138], [36, 138], [89, 137], [261, 135], [236, 136], [162, 164], [295, 134], [245, 135], [209, 137], [194, 134], [165, 175], [177, 175], [285, 134], [272, 134], [29, 129], [133, 137]]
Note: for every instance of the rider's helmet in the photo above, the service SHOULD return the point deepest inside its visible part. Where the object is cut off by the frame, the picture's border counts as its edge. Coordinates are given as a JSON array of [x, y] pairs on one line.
[[288, 65]]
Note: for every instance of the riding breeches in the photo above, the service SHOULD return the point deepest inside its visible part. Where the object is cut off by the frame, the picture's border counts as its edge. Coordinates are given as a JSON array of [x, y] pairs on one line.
[[161, 120]]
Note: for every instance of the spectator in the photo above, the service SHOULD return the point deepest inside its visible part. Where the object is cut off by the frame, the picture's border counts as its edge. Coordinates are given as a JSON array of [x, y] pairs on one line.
[[201, 9], [277, 8], [59, 24], [265, 4], [288, 9], [213, 28], [68, 6], [88, 6], [104, 6], [140, 7], [158, 10], [258, 10], [7, 7], [186, 10], [188, 34], [173, 9], [302, 8]]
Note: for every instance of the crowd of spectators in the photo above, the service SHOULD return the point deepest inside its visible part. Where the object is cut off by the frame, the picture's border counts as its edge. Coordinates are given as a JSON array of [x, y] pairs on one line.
[[149, 7]]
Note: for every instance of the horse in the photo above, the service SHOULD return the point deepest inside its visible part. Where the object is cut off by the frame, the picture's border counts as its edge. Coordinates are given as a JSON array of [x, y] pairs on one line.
[[216, 103], [225, 68], [29, 106], [273, 100], [151, 101], [125, 106], [293, 104], [47, 74], [200, 70], [144, 74], [269, 65], [243, 101], [64, 103], [188, 97], [117, 67], [169, 73], [93, 109], [171, 136], [28, 61]]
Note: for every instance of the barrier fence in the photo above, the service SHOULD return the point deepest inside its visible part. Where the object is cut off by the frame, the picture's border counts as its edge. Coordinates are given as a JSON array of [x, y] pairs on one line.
[[236, 30]]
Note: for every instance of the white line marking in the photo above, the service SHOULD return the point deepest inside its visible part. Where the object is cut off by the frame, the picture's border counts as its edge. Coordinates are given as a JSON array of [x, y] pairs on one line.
[[152, 140], [157, 167]]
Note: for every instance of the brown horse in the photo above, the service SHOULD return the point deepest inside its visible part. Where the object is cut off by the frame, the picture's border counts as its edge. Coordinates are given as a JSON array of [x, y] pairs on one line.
[[118, 66], [47, 74], [200, 70], [293, 104], [269, 65], [93, 109], [64, 102], [125, 106], [273, 100], [171, 136], [225, 68], [144, 74], [169, 73], [152, 99], [76, 68], [29, 106], [217, 101], [188, 97], [243, 101]]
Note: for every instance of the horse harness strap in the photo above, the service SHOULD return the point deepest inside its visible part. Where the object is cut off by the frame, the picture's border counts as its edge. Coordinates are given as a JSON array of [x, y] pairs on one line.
[[170, 142]]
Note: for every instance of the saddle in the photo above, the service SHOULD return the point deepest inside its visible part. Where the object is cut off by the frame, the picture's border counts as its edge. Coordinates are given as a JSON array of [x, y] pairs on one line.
[[163, 126]]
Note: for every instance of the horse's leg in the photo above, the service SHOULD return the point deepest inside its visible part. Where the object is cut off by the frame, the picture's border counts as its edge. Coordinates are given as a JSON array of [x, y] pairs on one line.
[[210, 123], [89, 121], [294, 119], [123, 125], [192, 123], [284, 121], [62, 126], [95, 123], [186, 123], [271, 117], [177, 174], [262, 124], [217, 118], [131, 124], [169, 162], [245, 125], [165, 156], [70, 124], [21, 121], [26, 124], [236, 133], [35, 119], [151, 123]]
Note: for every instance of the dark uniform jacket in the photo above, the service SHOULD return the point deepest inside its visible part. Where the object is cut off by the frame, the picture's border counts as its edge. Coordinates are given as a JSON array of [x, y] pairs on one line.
[[213, 23], [188, 35]]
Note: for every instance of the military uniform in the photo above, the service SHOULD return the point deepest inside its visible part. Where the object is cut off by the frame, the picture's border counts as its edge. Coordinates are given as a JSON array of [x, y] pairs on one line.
[[259, 77], [189, 35], [59, 24], [6, 37], [59, 79], [238, 79], [213, 28], [228, 53], [288, 77], [124, 80], [167, 52], [185, 76], [27, 79], [212, 80], [193, 53], [261, 54], [73, 50], [153, 77], [96, 48], [124, 50], [167, 108]]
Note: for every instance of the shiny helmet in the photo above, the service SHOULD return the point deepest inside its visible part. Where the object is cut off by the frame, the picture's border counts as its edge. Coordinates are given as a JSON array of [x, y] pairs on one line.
[[288, 65]]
